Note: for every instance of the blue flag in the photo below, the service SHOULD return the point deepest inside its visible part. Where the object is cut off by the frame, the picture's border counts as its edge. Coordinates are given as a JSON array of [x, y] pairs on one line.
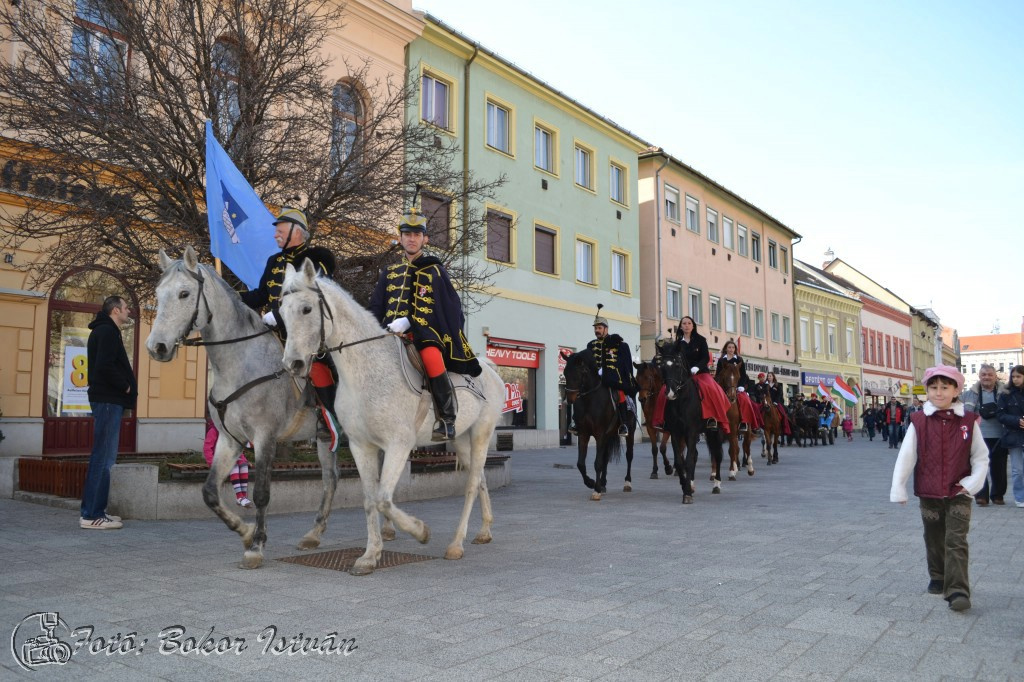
[[241, 227]]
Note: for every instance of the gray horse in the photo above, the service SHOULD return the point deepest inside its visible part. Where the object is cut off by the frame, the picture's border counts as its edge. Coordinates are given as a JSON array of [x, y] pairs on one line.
[[258, 401], [381, 407]]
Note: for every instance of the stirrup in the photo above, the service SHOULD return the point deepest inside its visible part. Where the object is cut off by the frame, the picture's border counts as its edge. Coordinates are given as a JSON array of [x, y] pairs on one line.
[[712, 424], [571, 429], [623, 430], [743, 427], [443, 431]]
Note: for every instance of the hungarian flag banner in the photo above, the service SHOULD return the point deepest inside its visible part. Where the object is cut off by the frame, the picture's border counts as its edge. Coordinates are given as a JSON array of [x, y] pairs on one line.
[[842, 391], [856, 392], [823, 391]]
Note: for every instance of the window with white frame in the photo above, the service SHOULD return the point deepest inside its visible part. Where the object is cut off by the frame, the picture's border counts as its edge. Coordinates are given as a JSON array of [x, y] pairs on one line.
[[755, 247], [434, 94], [850, 357], [727, 234], [745, 319], [673, 301], [584, 167], [818, 338], [617, 183], [671, 203], [730, 316], [696, 305], [345, 125], [692, 214], [715, 312], [759, 323], [620, 272], [773, 255], [585, 261], [776, 327], [787, 337], [741, 240], [784, 259], [831, 339], [544, 149], [713, 225], [805, 332], [498, 127]]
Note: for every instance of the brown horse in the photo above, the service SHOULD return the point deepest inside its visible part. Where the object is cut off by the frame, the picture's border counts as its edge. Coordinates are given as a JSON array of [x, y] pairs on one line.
[[772, 429], [728, 377], [648, 380]]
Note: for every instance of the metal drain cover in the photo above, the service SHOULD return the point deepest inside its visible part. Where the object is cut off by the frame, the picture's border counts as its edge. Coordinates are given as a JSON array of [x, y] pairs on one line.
[[343, 559]]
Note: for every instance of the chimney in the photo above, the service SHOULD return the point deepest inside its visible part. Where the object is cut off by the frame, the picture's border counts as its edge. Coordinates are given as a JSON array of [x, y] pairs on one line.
[[830, 256]]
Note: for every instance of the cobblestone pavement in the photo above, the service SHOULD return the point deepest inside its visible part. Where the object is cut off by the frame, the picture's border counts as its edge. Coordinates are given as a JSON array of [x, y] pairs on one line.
[[804, 571]]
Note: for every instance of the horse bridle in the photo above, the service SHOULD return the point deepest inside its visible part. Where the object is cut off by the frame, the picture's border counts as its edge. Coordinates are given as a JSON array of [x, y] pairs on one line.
[[325, 313], [580, 393], [183, 338]]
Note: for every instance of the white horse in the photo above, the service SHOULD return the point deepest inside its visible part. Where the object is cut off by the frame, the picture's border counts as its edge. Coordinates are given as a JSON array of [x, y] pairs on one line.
[[380, 409], [251, 398]]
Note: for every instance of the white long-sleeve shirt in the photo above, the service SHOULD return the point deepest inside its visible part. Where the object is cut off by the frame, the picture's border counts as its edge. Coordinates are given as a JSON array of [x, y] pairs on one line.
[[906, 460]]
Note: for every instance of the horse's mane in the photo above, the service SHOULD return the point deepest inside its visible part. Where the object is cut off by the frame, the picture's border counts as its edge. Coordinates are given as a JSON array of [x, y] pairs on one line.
[[211, 275], [360, 313]]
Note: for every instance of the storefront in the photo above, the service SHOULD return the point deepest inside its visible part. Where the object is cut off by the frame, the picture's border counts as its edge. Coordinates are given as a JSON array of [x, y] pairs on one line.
[[517, 363], [785, 373]]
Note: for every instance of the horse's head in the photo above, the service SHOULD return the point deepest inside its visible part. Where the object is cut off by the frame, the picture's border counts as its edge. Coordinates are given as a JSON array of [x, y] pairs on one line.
[[728, 377], [675, 372], [580, 375], [305, 313], [178, 302], [648, 380]]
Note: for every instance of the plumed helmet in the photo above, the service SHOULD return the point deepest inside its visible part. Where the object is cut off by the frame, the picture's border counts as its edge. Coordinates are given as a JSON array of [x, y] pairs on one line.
[[598, 320], [413, 222], [292, 215]]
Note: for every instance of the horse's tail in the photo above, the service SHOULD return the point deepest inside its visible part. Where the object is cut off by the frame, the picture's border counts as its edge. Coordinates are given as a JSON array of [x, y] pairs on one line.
[[614, 449]]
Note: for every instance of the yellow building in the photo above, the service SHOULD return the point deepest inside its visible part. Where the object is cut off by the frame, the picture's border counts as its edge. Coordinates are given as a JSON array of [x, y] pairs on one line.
[[44, 411], [828, 332]]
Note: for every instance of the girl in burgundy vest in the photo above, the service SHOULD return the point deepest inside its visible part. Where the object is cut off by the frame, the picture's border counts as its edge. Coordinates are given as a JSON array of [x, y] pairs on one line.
[[946, 452]]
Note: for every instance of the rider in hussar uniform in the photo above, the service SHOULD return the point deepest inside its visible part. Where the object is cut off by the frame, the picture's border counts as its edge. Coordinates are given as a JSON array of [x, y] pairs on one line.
[[415, 298], [291, 232], [615, 367]]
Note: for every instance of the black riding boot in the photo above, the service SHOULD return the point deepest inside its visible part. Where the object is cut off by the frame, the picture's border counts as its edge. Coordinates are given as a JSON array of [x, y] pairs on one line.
[[625, 418], [444, 408]]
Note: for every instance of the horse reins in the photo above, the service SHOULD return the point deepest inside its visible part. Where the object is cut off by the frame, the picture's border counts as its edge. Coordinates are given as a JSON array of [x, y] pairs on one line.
[[325, 313]]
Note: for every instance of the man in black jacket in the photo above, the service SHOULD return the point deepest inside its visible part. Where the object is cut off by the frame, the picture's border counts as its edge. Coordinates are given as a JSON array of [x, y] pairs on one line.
[[112, 390]]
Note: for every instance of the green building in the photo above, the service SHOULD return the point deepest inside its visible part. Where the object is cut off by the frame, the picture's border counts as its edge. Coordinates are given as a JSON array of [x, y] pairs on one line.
[[563, 231]]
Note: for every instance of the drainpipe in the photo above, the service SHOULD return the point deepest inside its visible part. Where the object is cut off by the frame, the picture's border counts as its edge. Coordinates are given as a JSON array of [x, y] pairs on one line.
[[795, 320], [465, 175], [657, 223]]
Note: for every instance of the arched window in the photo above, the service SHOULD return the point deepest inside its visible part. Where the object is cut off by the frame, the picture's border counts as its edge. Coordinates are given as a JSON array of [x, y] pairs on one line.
[[74, 301], [226, 64], [346, 124]]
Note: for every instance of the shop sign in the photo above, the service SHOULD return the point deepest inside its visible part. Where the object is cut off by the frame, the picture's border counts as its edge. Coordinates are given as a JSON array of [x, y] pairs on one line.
[[812, 379], [513, 399], [514, 357], [780, 371], [563, 352]]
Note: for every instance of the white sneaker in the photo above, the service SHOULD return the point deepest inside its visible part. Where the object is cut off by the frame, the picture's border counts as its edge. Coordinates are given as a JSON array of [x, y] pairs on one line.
[[112, 517], [102, 523], [1019, 504], [244, 502]]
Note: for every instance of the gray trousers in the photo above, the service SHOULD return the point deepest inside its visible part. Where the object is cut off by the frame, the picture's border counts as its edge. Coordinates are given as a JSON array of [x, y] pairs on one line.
[[946, 523]]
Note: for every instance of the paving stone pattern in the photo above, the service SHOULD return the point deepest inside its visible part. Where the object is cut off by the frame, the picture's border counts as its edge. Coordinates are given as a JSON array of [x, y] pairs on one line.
[[804, 572]]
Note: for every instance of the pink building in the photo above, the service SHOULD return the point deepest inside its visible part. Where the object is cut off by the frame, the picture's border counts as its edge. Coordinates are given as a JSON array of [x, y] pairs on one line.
[[708, 253]]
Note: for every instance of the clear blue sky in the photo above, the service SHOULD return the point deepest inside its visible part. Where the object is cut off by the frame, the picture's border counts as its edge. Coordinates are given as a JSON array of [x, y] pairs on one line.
[[892, 132]]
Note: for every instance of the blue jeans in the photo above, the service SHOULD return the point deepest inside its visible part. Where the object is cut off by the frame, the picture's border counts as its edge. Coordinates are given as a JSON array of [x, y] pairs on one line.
[[1017, 473], [107, 433]]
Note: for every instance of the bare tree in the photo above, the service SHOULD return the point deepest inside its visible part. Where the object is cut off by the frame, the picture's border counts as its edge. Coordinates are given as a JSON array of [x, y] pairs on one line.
[[107, 100]]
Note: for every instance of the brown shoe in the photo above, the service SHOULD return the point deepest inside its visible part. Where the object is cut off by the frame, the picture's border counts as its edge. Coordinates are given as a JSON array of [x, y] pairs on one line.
[[998, 500], [982, 501]]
